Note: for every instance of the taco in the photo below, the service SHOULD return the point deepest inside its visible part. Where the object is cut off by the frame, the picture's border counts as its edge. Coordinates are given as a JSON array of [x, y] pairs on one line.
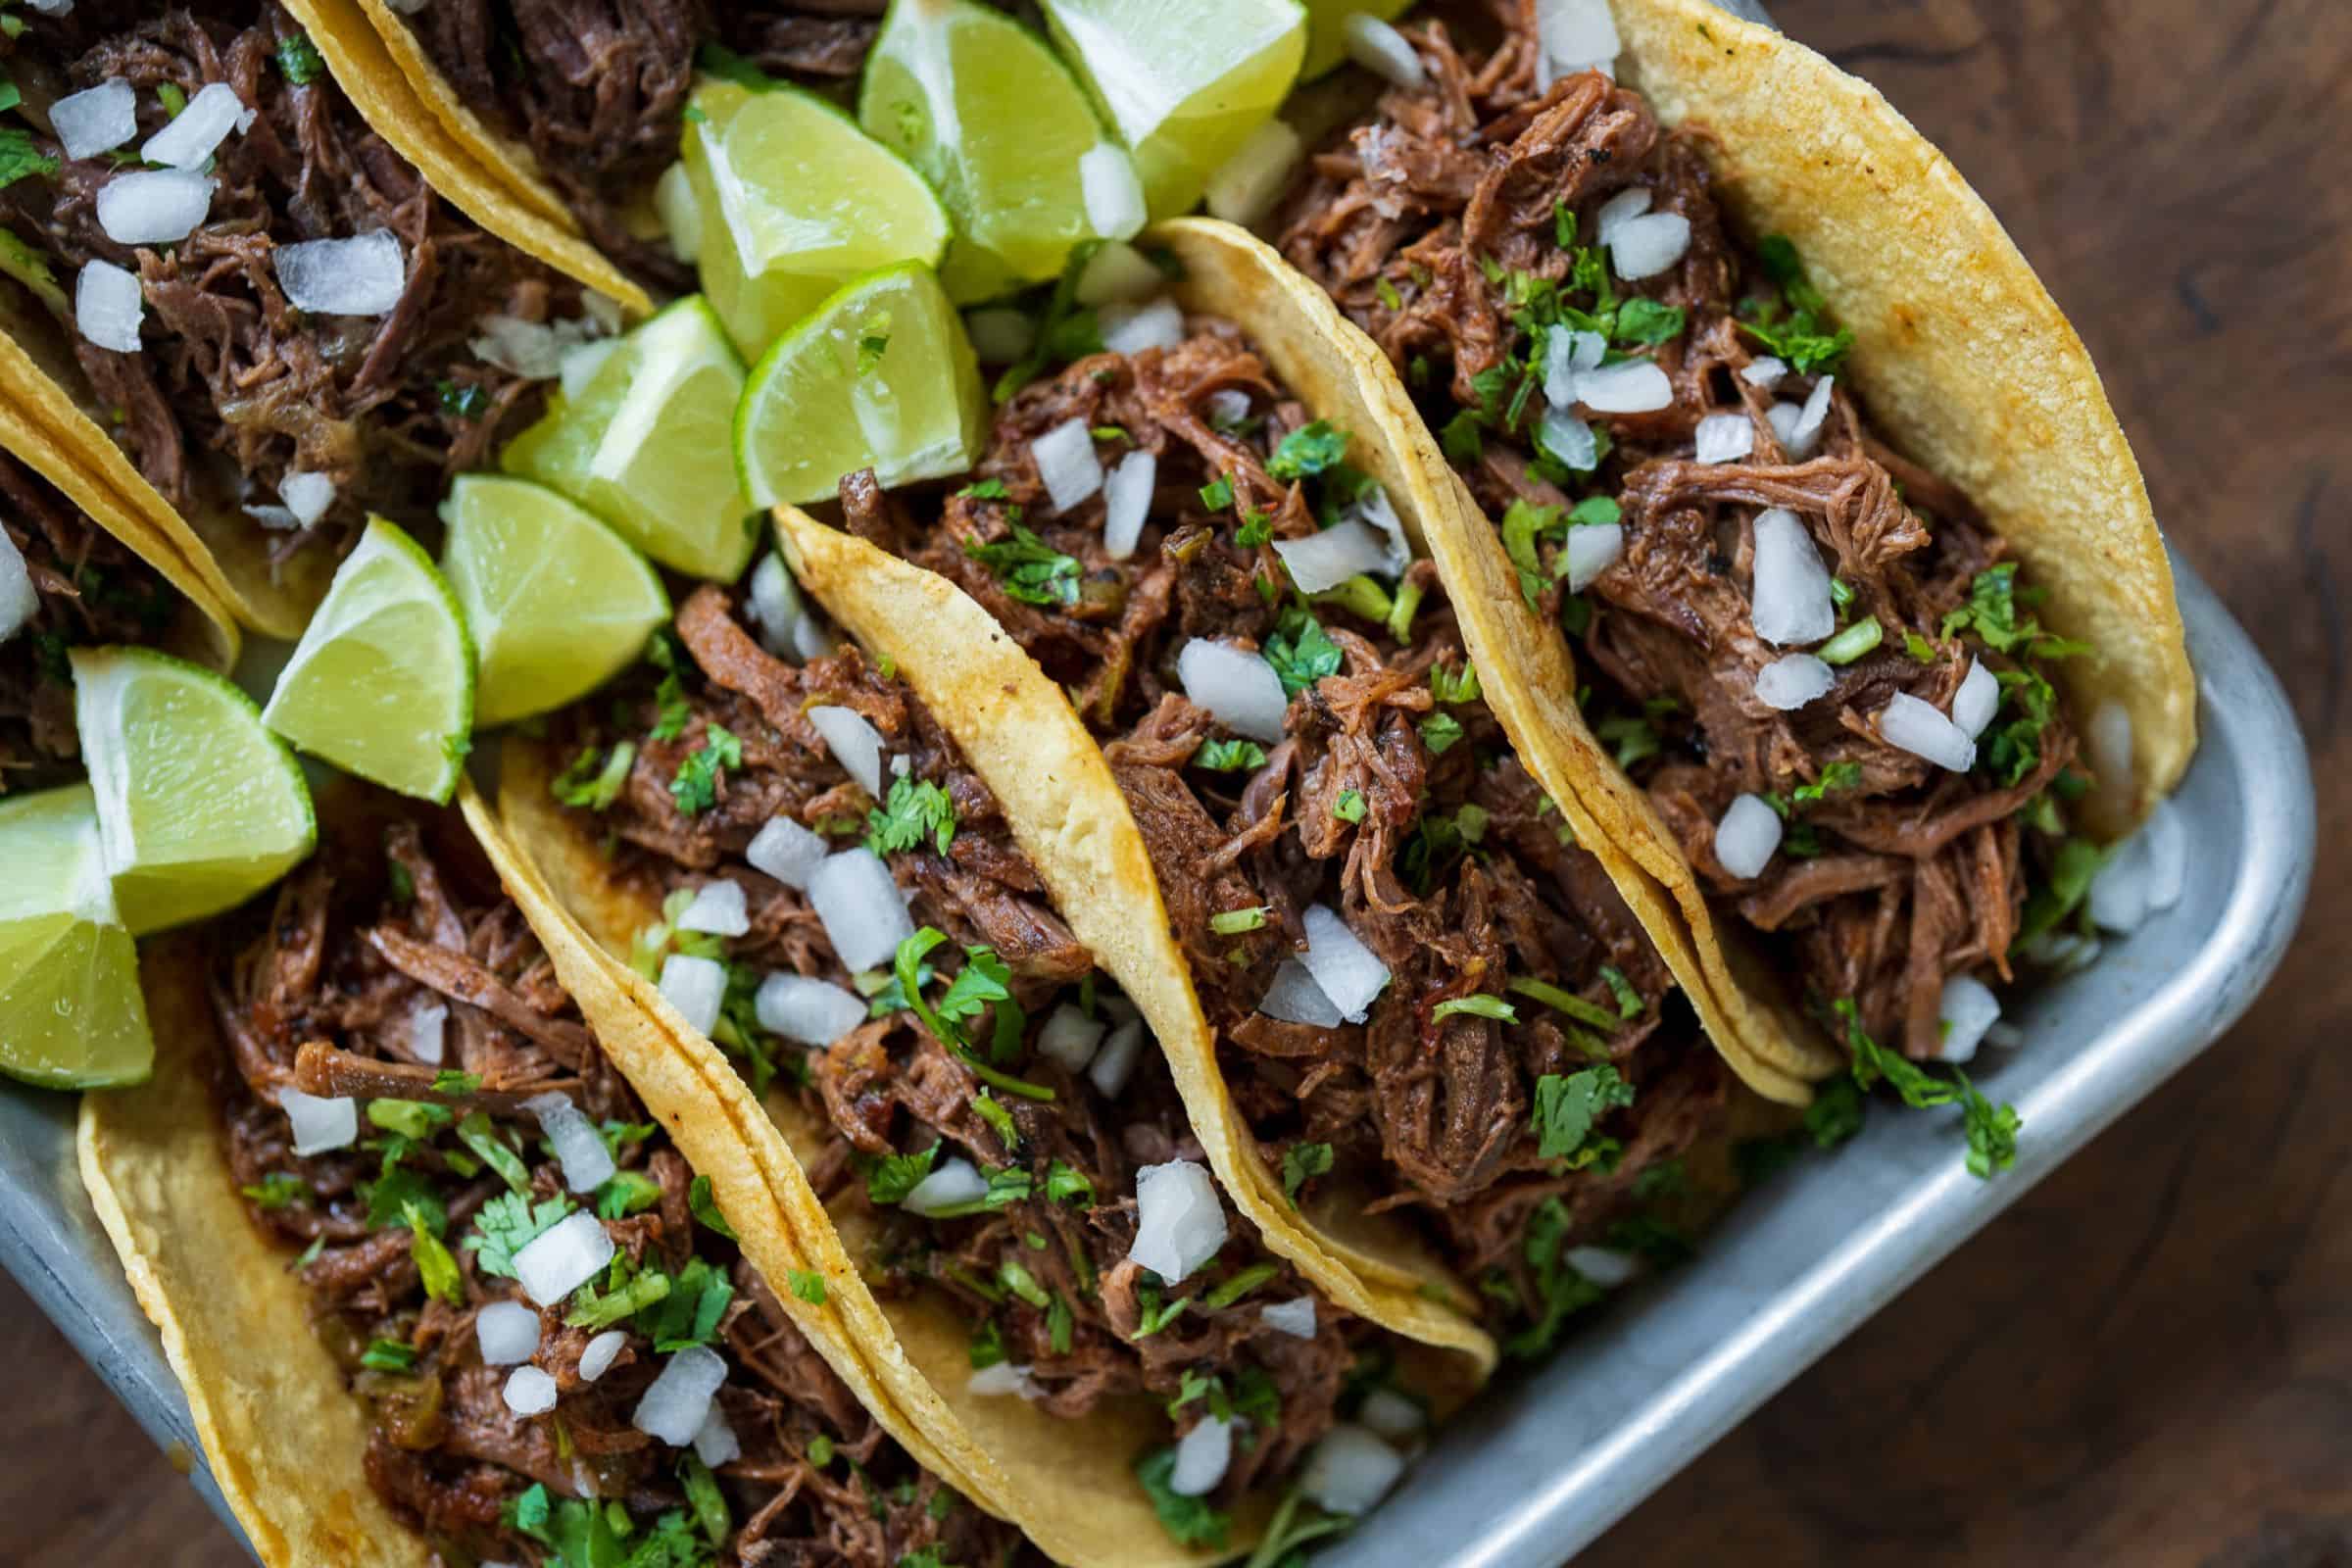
[[812, 886], [451, 1277], [277, 329], [1759, 411]]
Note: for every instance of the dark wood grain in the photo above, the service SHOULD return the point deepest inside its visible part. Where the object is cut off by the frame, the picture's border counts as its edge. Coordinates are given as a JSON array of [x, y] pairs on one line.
[[2149, 1362]]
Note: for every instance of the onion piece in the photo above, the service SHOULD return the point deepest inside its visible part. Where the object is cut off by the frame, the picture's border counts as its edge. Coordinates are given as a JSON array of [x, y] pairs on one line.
[[1296, 1318], [1179, 1223], [681, 215], [715, 1442], [1227, 407], [1323, 561], [428, 1032], [1375, 507], [1114, 196], [1792, 601], [1605, 1266], [507, 1332], [696, 987], [1350, 1470], [1968, 1009], [1002, 1379], [1115, 1062], [307, 495], [579, 1147], [1725, 437], [155, 206], [1247, 184], [1567, 354], [1383, 51], [198, 128], [955, 1183], [1911, 726], [365, 275], [533, 350], [1118, 272], [598, 1354], [1628, 204], [1767, 372], [1000, 334], [719, 909], [1240, 689], [1793, 681], [319, 1122], [1127, 503], [1977, 701], [1071, 1038], [776, 605], [19, 599], [1748, 837], [530, 1392], [1203, 1456], [678, 1400], [1592, 549], [109, 306], [272, 516], [787, 852], [808, 1012], [1131, 328], [1631, 387], [1645, 245], [1783, 418], [1805, 434], [1293, 997], [2165, 839], [854, 742], [1347, 972], [1568, 439], [1066, 463], [97, 119], [561, 1258], [1396, 1417], [860, 905]]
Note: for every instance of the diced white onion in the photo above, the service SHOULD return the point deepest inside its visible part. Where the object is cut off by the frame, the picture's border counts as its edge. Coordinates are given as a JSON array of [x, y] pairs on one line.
[[1792, 601], [677, 1402], [1977, 701], [1967, 1008], [533, 350], [1783, 418], [320, 1123], [1383, 51], [598, 1354], [1115, 1062], [681, 215], [1645, 245], [198, 128], [1349, 973], [363, 276], [580, 1149], [1227, 407], [1567, 354], [19, 601], [1793, 681], [1604, 1266], [507, 1333], [854, 742], [1114, 196], [1118, 272], [1246, 186], [1568, 439], [530, 1392], [1066, 463], [153, 206], [812, 1013], [1628, 204], [1131, 328], [51, 8], [1766, 372], [272, 516], [776, 605], [2166, 840], [307, 495], [1240, 689], [695, 987], [1573, 35], [1592, 549], [719, 909], [810, 639], [1375, 507], [1002, 1379], [561, 1258], [1201, 1457], [97, 119], [1396, 1417], [1329, 558], [860, 905], [2109, 735], [1293, 997], [1001, 335], [1805, 434], [580, 362], [1179, 1223], [1748, 837], [428, 1032], [1350, 1470], [953, 1184], [1911, 726], [1127, 503], [715, 1442], [1629, 386], [1295, 1317], [108, 306], [787, 852], [1069, 1037], [1726, 437]]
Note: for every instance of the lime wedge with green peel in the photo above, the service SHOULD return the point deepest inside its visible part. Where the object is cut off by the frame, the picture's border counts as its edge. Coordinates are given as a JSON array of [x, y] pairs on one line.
[[199, 806], [72, 1015], [997, 122], [1185, 82], [880, 378], [794, 202], [1326, 35], [642, 442], [382, 684], [556, 602]]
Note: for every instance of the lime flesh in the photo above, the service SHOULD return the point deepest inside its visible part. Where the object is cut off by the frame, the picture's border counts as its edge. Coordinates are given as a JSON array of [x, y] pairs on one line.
[[72, 1015]]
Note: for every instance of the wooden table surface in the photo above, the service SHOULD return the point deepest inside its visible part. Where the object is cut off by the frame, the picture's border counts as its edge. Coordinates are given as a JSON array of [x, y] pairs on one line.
[[2149, 1360]]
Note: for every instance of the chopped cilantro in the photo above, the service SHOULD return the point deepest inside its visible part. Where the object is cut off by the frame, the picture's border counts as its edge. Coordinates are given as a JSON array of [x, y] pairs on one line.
[[1484, 1007], [1217, 494], [1349, 807], [991, 1110], [915, 811], [1567, 1107], [1567, 1001], [435, 1268], [1232, 922], [278, 1190], [1990, 1130], [452, 1081], [1301, 1163], [1385, 292], [459, 400], [1439, 732], [509, 1223], [1836, 1113], [1031, 570], [1629, 1001], [696, 786], [1190, 1521], [1065, 1184], [298, 60], [1229, 757], [591, 784], [704, 1207], [1648, 323], [986, 490], [1851, 643], [1308, 451], [1453, 686], [388, 1356], [625, 1192], [1236, 1286], [1257, 529], [808, 1285], [477, 1134], [20, 158], [1301, 652], [1560, 1291], [411, 1118], [893, 1176]]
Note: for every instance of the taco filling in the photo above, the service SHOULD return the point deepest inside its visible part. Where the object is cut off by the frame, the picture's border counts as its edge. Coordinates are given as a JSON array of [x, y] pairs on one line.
[[1425, 993], [271, 309], [1813, 653], [844, 911], [564, 1356]]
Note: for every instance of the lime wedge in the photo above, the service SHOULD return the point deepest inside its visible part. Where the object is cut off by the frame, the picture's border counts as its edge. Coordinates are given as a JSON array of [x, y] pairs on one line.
[[1326, 44], [556, 602], [382, 684], [881, 377], [71, 1012], [996, 121], [796, 201], [1185, 82], [643, 443], [199, 806]]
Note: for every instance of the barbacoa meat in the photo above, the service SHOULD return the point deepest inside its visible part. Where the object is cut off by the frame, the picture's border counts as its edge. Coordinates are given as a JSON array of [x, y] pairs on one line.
[[233, 388], [91, 589], [313, 977], [1457, 225]]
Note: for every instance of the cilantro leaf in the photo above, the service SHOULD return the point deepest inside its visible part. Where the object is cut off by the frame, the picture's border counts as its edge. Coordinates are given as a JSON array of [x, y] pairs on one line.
[[1308, 451], [20, 158], [1031, 570], [591, 784], [1188, 1521], [915, 811], [1483, 1006], [1300, 1163], [1648, 323], [704, 1207], [893, 1176], [1229, 757], [298, 60], [1301, 652], [696, 786], [1990, 1130], [1567, 1107], [509, 1223]]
